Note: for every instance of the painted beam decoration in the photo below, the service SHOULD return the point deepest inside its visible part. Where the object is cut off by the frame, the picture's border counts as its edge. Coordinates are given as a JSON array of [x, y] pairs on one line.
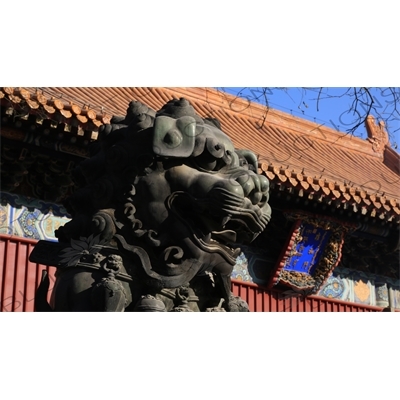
[[311, 254]]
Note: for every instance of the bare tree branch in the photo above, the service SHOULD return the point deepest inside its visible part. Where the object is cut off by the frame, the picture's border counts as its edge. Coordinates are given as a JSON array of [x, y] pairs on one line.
[[382, 103]]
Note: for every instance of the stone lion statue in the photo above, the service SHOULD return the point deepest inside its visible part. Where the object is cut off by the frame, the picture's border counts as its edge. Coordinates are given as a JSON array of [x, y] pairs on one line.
[[162, 203]]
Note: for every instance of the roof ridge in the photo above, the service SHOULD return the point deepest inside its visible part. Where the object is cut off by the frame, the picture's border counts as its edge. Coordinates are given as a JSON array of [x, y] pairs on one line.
[[253, 110]]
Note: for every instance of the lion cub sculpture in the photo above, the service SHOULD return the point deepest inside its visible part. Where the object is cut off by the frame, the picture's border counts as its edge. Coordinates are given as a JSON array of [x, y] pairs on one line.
[[160, 207]]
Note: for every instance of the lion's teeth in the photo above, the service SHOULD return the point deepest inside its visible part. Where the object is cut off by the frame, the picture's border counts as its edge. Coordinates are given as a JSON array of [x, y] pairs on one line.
[[225, 220], [207, 238], [237, 252]]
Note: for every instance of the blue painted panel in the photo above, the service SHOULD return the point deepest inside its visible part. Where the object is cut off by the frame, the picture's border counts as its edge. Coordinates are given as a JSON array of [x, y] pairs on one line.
[[307, 250]]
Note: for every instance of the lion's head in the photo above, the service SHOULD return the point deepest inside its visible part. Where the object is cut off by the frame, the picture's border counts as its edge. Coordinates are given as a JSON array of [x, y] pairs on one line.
[[170, 188]]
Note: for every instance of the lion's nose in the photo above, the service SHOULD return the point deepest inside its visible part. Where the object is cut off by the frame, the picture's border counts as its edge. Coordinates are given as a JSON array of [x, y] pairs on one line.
[[256, 197], [255, 187]]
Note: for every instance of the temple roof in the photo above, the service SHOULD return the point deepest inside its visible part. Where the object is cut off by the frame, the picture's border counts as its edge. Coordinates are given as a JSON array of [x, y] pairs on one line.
[[298, 156]]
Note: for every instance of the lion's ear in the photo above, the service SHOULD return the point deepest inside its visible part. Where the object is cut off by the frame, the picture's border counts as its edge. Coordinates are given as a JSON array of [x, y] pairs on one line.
[[174, 137]]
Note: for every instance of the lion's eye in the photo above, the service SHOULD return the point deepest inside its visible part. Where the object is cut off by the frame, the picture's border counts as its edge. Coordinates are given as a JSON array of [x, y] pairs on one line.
[[173, 138]]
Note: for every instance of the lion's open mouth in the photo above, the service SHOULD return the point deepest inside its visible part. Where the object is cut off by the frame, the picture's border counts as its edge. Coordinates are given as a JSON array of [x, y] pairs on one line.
[[219, 221]]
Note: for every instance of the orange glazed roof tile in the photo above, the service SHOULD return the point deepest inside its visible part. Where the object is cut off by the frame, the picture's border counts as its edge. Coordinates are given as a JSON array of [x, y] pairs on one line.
[[294, 153]]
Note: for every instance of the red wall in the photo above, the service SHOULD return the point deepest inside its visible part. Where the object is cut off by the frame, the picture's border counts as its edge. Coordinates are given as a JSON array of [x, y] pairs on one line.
[[260, 299], [19, 279]]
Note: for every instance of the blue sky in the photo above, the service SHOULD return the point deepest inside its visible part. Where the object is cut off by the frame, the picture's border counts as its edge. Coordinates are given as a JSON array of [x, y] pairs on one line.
[[332, 109]]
